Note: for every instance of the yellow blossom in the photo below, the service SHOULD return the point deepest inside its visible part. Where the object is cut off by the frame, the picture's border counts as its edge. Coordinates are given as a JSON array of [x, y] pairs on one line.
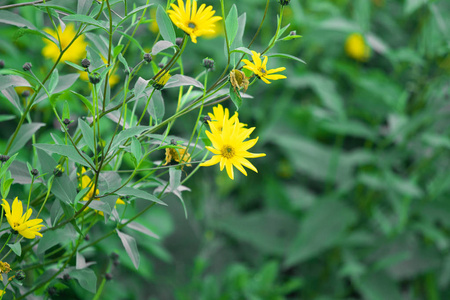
[[27, 228], [356, 47], [87, 182], [4, 269], [161, 80], [230, 148], [192, 21], [76, 51], [178, 155], [259, 68]]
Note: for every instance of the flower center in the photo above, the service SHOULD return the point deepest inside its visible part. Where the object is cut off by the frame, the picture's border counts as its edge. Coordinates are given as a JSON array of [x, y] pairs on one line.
[[227, 151], [262, 70], [191, 25], [16, 225]]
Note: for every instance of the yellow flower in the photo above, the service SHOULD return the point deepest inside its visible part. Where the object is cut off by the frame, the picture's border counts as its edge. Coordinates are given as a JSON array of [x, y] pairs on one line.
[[153, 25], [4, 269], [76, 51], [238, 80], [230, 148], [192, 21], [87, 182], [27, 228], [259, 68], [177, 155], [356, 47], [161, 80]]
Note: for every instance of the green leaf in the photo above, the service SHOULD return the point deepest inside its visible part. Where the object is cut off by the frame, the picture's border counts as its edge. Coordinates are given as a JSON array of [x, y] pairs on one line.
[[66, 111], [64, 189], [322, 228], [54, 79], [182, 80], [243, 50], [6, 117], [378, 286], [175, 178], [85, 101], [55, 6], [165, 25], [156, 107], [16, 248], [83, 6], [282, 55], [11, 94], [24, 135], [12, 80], [161, 46], [84, 19], [68, 151], [86, 278], [235, 97], [6, 165], [79, 68], [231, 24], [128, 133], [14, 19], [88, 135], [140, 86], [136, 149], [129, 243], [129, 191], [54, 237]]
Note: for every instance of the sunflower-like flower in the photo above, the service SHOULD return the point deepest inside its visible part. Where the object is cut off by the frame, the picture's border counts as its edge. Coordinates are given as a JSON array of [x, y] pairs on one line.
[[161, 80], [230, 148], [5, 268], [259, 68], [87, 182], [29, 229], [192, 21], [220, 118], [356, 47], [76, 51]]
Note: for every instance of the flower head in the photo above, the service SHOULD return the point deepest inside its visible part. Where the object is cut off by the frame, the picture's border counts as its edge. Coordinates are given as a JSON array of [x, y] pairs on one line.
[[5, 268], [161, 80], [76, 51], [27, 228], [192, 21], [87, 182], [231, 148], [259, 68], [356, 47], [238, 80], [220, 118], [178, 155]]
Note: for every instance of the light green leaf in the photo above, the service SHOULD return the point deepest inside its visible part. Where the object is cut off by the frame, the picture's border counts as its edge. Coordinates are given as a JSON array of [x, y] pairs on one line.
[[68, 151], [231, 24], [24, 135], [129, 243], [16, 248], [129, 191], [88, 135], [165, 25]]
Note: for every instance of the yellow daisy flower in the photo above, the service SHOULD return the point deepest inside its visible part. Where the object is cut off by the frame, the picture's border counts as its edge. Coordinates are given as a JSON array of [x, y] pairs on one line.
[[29, 229], [5, 268], [192, 21], [230, 148], [259, 68], [75, 53], [356, 47], [161, 80], [87, 182], [177, 155]]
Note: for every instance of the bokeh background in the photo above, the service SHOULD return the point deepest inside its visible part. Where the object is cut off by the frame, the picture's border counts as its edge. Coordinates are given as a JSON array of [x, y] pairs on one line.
[[352, 199]]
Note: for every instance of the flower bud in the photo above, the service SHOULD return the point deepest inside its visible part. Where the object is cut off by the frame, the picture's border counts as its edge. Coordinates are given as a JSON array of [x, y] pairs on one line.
[[208, 63], [20, 275], [284, 2], [94, 78], [66, 277], [160, 65], [52, 291], [2, 64], [4, 158], [178, 41], [26, 94], [147, 57], [27, 66], [58, 171], [85, 63], [206, 119], [66, 122], [108, 276], [293, 32], [34, 172], [86, 237], [114, 256]]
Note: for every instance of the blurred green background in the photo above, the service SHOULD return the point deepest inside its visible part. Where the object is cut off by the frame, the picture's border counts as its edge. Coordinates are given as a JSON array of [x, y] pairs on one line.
[[351, 201]]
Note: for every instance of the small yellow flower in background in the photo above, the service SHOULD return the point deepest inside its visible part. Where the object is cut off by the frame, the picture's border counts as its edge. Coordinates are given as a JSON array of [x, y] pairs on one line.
[[260, 68], [356, 47], [87, 182], [230, 148], [76, 51], [192, 21], [161, 80], [153, 25], [177, 155], [4, 269], [218, 31], [27, 228]]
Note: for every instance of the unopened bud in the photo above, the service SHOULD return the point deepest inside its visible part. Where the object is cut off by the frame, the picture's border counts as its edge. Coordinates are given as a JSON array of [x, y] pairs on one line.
[[2, 64], [94, 78], [206, 119], [208, 63], [108, 276], [27, 66], [160, 65], [4, 158], [26, 94], [66, 122], [34, 172], [85, 63], [20, 275], [86, 237], [147, 57], [293, 32], [284, 2], [66, 277]]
